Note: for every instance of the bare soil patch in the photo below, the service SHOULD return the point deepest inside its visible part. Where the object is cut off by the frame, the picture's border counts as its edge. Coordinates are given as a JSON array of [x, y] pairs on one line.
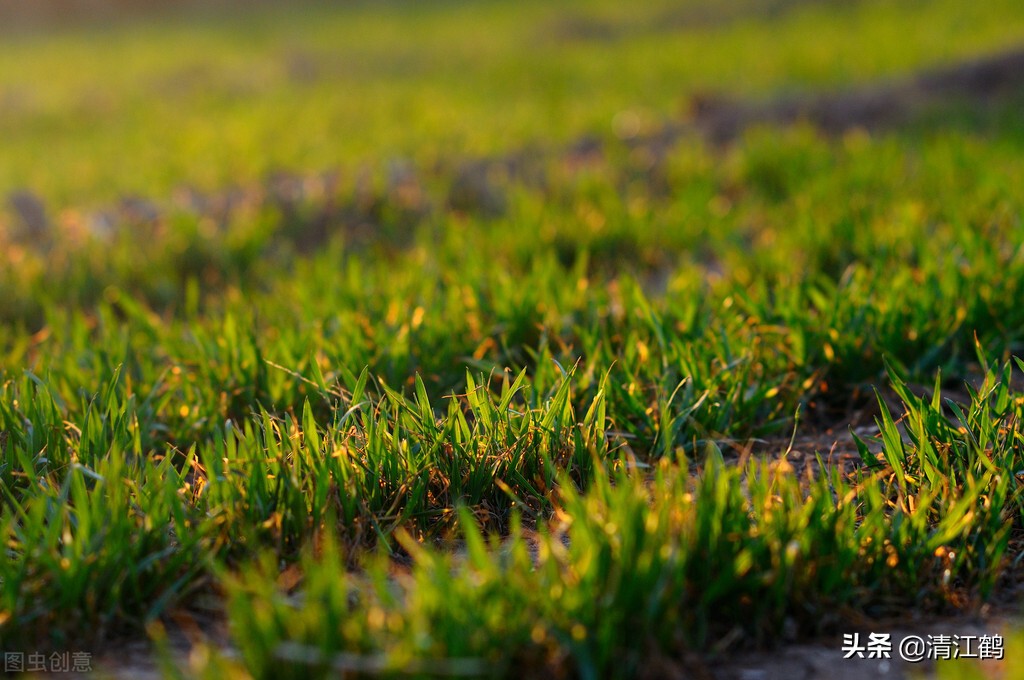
[[978, 83]]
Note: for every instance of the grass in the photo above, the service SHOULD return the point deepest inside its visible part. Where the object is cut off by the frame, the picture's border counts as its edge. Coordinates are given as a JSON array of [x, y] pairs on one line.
[[678, 563], [290, 389], [313, 88]]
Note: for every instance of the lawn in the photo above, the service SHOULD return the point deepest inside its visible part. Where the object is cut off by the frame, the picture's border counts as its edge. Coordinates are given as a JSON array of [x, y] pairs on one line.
[[440, 339]]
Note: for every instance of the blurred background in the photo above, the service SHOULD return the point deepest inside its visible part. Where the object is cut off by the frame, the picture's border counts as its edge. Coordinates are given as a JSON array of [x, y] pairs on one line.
[[204, 136], [100, 99]]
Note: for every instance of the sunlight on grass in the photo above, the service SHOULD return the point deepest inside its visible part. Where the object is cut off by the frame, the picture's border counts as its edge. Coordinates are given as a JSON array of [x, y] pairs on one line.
[[440, 339]]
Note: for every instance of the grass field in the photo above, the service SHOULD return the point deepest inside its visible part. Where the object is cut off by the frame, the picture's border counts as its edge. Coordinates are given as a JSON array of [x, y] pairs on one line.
[[436, 339]]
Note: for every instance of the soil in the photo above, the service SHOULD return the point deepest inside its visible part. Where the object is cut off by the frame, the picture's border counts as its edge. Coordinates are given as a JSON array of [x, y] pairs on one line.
[[794, 660], [974, 84]]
